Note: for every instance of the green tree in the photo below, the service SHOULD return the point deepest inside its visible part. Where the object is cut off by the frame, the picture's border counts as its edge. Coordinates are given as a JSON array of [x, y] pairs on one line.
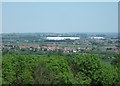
[[94, 71], [57, 71]]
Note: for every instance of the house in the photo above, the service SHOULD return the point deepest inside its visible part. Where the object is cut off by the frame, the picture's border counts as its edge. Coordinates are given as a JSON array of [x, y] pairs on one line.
[[24, 47]]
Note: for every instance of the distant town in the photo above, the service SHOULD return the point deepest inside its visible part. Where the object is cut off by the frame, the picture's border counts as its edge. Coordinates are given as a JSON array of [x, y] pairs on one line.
[[99, 43]]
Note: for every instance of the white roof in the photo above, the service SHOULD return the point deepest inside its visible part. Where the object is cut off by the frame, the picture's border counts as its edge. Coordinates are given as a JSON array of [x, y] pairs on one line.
[[97, 38], [62, 38]]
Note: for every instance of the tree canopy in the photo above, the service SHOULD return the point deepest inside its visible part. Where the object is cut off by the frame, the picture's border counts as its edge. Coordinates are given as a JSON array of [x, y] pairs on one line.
[[55, 69]]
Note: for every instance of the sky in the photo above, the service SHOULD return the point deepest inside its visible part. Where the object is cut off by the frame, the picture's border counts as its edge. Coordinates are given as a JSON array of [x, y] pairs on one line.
[[25, 17]]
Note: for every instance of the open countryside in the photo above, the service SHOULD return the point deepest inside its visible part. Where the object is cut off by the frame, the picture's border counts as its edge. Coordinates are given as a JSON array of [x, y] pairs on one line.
[[55, 58], [60, 43]]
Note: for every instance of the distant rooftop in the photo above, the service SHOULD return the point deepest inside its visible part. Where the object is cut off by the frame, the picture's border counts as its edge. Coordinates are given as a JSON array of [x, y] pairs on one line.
[[97, 37], [62, 38]]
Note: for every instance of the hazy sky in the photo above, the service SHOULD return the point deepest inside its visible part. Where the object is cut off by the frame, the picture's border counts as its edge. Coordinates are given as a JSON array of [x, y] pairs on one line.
[[60, 17]]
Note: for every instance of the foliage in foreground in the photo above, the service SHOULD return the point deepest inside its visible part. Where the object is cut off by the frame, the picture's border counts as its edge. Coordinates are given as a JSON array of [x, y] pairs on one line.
[[43, 69]]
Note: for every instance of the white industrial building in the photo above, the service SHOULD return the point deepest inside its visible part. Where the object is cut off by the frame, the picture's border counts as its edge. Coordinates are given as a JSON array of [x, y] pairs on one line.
[[62, 38], [97, 37]]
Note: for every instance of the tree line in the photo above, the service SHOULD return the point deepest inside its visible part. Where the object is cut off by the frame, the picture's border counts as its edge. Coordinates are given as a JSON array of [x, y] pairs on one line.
[[87, 69]]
